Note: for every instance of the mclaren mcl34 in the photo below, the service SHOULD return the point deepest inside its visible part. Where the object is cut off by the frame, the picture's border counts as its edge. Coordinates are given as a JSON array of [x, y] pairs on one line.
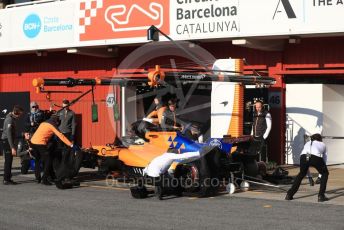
[[227, 160]]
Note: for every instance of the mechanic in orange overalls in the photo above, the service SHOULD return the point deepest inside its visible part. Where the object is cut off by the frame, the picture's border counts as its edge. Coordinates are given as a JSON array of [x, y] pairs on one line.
[[39, 143], [156, 114]]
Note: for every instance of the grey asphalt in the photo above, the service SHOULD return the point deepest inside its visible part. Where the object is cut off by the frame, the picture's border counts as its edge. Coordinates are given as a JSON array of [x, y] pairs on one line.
[[97, 206]]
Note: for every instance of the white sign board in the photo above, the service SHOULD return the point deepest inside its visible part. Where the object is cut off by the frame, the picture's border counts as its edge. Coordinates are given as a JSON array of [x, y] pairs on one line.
[[209, 19], [78, 23], [41, 26], [288, 17], [110, 100], [5, 30]]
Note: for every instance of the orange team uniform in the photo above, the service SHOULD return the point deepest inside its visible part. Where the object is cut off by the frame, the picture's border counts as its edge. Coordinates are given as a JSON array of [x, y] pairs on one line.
[[44, 132], [156, 115]]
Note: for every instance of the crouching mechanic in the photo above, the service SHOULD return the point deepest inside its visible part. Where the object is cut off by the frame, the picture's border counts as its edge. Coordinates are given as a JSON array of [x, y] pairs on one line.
[[24, 152], [314, 154], [39, 143]]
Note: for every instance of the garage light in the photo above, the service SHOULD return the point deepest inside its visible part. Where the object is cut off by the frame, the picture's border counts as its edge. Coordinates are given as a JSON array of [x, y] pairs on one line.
[[239, 42], [41, 53], [72, 51], [294, 40]]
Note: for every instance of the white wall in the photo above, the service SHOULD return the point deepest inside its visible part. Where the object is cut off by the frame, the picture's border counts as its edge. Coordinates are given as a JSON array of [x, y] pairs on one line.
[[315, 108], [304, 108], [333, 104]]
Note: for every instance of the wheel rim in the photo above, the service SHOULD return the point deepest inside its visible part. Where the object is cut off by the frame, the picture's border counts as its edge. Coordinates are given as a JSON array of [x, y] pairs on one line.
[[192, 179]]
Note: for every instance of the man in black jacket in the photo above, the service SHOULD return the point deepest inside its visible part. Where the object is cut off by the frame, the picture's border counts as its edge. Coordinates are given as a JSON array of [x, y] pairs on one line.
[[68, 125], [34, 118], [169, 117], [8, 139], [261, 127]]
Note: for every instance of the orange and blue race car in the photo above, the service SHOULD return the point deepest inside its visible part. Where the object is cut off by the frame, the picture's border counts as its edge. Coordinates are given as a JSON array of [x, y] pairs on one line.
[[133, 154]]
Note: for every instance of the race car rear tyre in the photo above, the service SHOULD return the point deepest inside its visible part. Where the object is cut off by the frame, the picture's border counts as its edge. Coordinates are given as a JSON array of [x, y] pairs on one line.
[[189, 175]]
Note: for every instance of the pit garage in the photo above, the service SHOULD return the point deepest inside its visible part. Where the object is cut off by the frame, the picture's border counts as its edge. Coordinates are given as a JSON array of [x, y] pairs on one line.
[[291, 50], [298, 45]]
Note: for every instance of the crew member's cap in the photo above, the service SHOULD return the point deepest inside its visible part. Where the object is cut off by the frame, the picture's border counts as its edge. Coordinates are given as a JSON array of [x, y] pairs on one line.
[[54, 117], [259, 101], [33, 104], [316, 137], [65, 101], [171, 102]]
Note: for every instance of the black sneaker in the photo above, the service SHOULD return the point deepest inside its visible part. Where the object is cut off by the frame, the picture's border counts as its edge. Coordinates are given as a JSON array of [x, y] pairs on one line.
[[46, 182], [288, 197], [58, 184], [318, 180], [322, 198], [75, 182], [178, 191], [67, 183], [158, 192], [9, 182]]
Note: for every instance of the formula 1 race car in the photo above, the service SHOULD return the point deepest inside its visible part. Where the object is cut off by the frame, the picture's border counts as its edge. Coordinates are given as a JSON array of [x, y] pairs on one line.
[[133, 153]]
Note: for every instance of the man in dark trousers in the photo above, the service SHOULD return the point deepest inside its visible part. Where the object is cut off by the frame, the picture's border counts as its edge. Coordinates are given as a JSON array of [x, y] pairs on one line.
[[68, 124], [39, 143], [8, 138], [314, 154], [261, 127]]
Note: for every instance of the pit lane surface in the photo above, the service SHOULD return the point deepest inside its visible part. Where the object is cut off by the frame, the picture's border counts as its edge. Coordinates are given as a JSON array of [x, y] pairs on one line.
[[96, 206]]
